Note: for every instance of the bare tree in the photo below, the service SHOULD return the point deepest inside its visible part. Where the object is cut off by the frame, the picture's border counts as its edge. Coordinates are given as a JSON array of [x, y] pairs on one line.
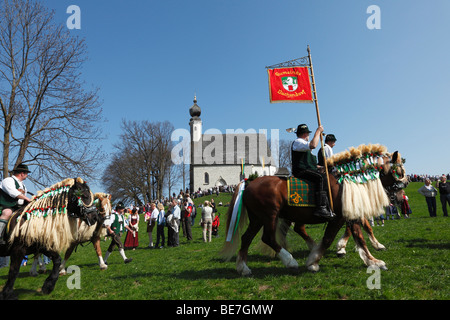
[[147, 147], [285, 154], [48, 117], [122, 179], [173, 175]]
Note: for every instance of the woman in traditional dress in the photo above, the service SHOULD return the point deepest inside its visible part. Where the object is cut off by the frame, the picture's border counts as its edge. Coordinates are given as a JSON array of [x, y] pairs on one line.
[[131, 240]]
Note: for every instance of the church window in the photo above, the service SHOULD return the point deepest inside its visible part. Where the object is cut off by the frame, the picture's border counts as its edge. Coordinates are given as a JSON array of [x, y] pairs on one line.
[[206, 178]]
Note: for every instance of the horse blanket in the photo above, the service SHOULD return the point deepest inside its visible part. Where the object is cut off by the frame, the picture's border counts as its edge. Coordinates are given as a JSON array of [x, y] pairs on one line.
[[300, 192]]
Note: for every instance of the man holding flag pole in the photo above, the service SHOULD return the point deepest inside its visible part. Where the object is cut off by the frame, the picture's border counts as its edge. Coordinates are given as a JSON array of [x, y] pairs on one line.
[[290, 82]]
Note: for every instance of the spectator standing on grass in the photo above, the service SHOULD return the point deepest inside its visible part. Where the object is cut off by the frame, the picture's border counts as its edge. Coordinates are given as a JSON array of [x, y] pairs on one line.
[[176, 212], [406, 209], [207, 219], [429, 192], [212, 204], [170, 228], [187, 220], [444, 193], [160, 223], [151, 221]]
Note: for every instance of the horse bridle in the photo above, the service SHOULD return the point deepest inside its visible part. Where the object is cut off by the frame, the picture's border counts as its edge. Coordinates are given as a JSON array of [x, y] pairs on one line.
[[88, 213], [397, 185]]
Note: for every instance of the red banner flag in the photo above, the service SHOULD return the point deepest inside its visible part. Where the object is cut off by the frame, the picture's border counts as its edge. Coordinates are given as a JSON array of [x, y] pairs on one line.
[[289, 85]]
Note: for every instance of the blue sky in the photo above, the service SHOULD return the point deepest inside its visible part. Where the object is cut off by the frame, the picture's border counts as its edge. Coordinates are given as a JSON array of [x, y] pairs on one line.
[[388, 86]]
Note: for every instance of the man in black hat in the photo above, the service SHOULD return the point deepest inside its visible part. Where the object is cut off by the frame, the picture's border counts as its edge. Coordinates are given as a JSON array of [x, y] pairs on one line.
[[115, 225], [330, 142], [304, 166], [13, 195]]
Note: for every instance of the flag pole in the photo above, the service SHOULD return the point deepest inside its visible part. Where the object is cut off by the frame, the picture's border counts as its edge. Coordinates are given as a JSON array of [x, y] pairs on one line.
[[319, 124]]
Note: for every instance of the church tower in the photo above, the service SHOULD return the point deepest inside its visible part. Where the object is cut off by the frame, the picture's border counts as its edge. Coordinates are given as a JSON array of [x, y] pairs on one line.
[[195, 125]]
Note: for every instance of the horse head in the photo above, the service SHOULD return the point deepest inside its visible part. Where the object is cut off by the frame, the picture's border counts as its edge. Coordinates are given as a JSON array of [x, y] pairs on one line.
[[81, 202], [103, 203], [393, 176]]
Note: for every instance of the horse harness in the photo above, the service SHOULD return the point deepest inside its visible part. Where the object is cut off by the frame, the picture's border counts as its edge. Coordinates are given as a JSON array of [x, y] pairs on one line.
[[88, 213]]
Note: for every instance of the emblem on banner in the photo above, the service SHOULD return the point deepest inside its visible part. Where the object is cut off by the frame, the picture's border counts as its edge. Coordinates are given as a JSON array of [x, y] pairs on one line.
[[289, 83]]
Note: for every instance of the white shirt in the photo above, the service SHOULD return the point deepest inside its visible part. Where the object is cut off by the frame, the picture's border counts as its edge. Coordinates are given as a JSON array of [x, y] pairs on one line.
[[328, 151], [207, 213], [9, 186], [301, 145], [154, 215], [176, 212]]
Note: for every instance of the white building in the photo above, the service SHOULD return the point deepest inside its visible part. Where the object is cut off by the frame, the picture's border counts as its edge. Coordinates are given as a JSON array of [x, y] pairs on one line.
[[217, 159]]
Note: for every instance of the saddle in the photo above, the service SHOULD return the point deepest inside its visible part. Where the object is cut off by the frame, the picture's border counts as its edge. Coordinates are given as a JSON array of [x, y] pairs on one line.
[[300, 193]]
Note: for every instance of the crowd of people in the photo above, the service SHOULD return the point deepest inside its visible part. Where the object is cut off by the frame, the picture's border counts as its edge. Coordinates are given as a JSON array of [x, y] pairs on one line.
[[423, 177], [169, 218]]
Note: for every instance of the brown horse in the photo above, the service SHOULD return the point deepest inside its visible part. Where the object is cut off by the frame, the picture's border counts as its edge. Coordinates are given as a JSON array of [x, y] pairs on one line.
[[264, 201]]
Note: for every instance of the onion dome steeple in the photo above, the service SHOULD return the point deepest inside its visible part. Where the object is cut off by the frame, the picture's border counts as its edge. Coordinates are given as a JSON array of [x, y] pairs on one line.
[[195, 110]]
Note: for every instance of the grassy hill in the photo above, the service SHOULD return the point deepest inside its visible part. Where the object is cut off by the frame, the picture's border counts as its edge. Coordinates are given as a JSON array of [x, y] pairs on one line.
[[417, 256]]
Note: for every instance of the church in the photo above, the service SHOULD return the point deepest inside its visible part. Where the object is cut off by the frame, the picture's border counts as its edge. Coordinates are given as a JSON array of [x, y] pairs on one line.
[[220, 159]]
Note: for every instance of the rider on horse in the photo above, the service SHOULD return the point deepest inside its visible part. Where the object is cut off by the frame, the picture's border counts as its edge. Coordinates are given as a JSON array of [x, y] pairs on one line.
[[304, 166], [12, 196]]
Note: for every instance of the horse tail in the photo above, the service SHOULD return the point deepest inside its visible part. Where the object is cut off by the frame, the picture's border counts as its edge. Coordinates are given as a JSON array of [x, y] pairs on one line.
[[231, 245]]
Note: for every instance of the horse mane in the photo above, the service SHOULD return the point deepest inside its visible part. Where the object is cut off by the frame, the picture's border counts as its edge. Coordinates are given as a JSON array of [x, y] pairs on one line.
[[358, 171], [44, 219]]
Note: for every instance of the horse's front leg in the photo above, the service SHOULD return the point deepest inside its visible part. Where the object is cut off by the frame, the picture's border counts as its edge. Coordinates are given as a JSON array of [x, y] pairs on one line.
[[317, 253], [50, 282], [363, 251], [69, 251]]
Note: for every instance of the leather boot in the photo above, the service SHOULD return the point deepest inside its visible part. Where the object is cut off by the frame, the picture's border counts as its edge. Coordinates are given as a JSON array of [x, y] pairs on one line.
[[322, 210], [3, 224]]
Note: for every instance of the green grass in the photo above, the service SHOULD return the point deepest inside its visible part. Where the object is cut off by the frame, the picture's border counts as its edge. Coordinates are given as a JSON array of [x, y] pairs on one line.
[[417, 256]]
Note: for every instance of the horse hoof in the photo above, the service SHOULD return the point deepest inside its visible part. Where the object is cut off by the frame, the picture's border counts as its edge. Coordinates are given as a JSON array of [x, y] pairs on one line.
[[104, 267], [341, 255], [383, 267], [62, 272], [244, 271], [313, 268], [287, 259]]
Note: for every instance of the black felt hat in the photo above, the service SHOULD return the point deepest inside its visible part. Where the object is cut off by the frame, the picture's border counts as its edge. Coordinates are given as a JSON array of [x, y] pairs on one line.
[[21, 168]]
